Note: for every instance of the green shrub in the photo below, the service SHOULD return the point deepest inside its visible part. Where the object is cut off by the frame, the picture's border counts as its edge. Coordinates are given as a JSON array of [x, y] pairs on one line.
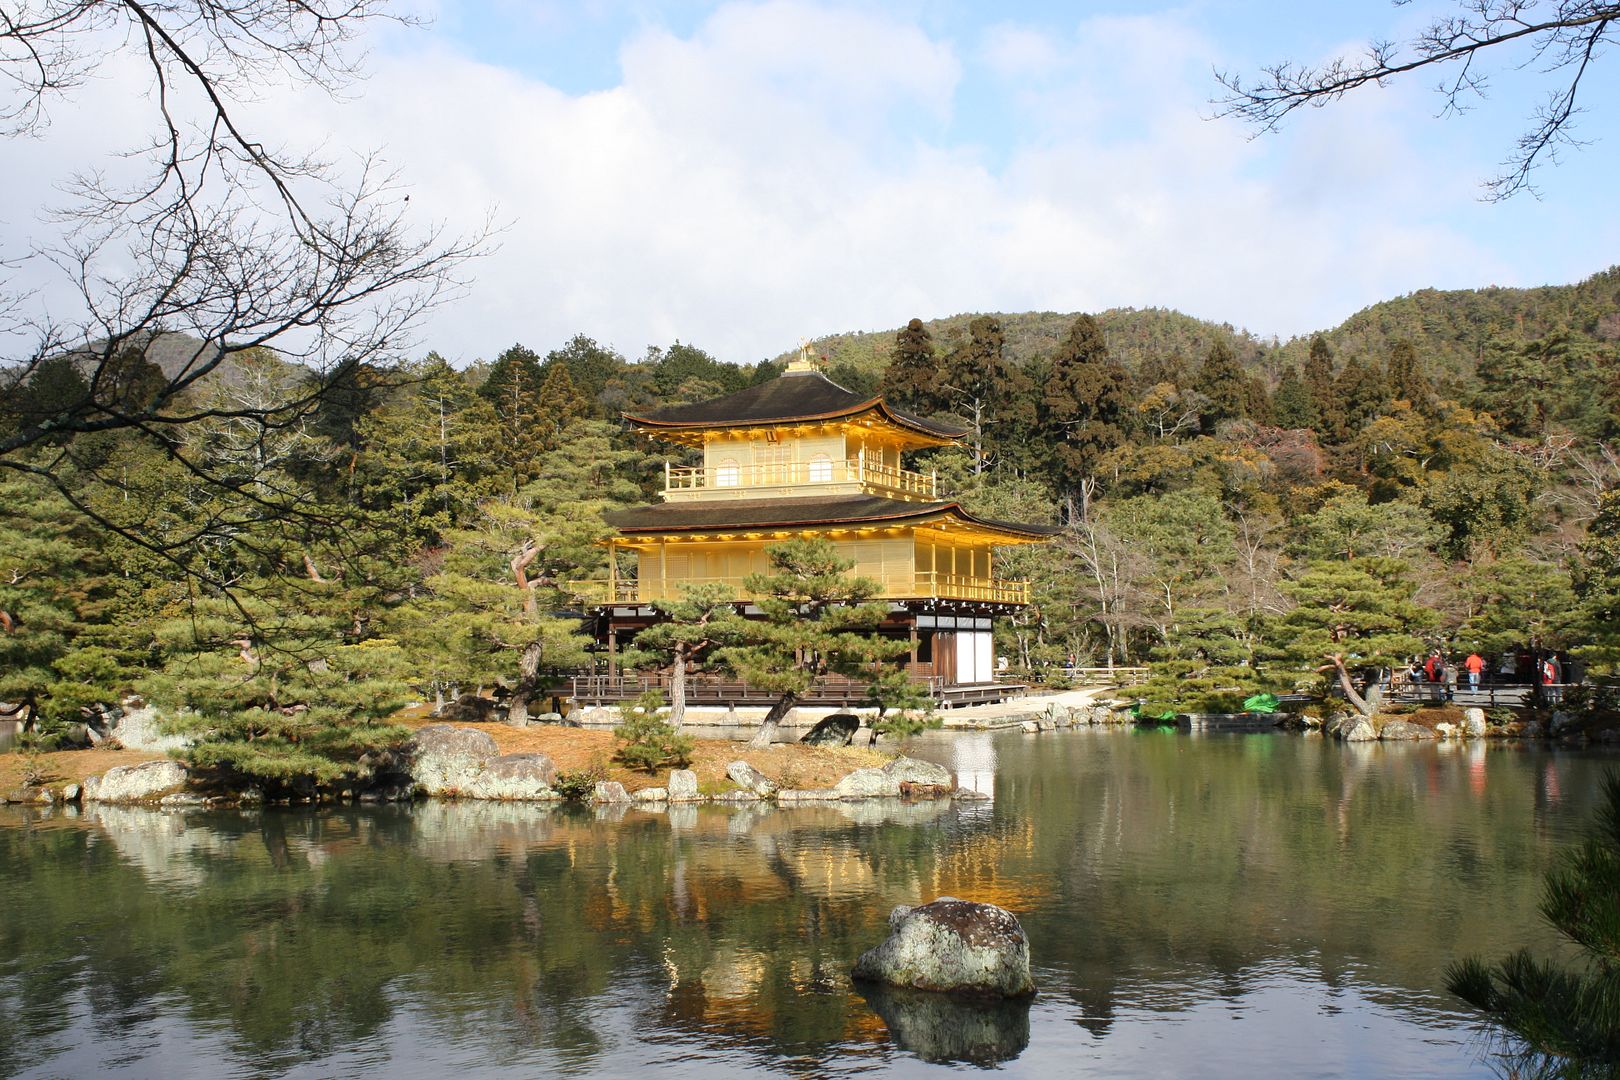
[[648, 741], [579, 785]]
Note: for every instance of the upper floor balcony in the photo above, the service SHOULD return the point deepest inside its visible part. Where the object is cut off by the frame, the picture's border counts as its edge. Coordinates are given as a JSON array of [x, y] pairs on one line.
[[921, 585], [819, 475]]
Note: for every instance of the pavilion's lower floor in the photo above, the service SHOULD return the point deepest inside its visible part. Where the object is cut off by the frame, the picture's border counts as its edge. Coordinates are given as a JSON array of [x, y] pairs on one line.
[[951, 657]]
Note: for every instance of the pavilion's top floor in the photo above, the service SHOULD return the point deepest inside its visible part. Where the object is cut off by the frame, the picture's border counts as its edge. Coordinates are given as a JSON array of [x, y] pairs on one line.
[[798, 435]]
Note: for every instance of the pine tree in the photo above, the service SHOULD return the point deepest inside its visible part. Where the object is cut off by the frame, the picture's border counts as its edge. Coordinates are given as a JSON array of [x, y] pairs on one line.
[[815, 622], [1405, 378], [513, 389], [1319, 380], [559, 405], [1292, 405], [1222, 381], [704, 619], [1084, 408], [1597, 584], [1352, 614], [59, 590], [912, 379], [996, 399], [1564, 1022]]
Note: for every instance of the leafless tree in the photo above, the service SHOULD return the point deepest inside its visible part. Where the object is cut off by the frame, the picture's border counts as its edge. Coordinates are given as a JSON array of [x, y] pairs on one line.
[[219, 241], [1559, 37]]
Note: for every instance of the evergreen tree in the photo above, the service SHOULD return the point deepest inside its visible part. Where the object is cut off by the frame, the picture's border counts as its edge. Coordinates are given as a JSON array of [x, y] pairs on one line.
[[912, 379], [986, 391], [1597, 584], [1222, 381], [815, 622], [58, 592], [1319, 381], [704, 619], [1565, 1022], [1349, 615], [559, 405], [1292, 405], [1361, 393], [1405, 378], [429, 453], [512, 388], [591, 368], [1084, 407]]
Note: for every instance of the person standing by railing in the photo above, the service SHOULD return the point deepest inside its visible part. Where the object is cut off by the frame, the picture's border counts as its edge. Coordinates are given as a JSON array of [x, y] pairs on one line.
[[1474, 665]]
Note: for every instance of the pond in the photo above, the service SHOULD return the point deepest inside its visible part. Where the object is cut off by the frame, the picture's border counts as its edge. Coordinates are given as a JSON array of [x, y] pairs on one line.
[[1196, 906]]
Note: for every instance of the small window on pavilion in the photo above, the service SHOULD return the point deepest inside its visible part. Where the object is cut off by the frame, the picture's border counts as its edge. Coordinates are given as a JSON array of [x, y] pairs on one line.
[[727, 474], [821, 469]]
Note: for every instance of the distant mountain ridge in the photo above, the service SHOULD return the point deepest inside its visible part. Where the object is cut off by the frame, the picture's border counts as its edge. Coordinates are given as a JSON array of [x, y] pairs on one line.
[[1448, 328]]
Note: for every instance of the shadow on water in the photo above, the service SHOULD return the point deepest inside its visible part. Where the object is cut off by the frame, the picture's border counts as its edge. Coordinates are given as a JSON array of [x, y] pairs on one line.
[[945, 1030]]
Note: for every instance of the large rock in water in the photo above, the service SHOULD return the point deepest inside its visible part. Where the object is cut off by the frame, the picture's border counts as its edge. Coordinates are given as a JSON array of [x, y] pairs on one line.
[[146, 782], [448, 760], [745, 775], [1358, 729], [514, 777], [952, 946], [1474, 723], [835, 730], [901, 776], [683, 785], [1405, 729]]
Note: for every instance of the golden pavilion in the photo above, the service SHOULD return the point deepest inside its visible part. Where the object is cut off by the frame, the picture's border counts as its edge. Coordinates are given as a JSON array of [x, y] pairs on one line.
[[802, 457]]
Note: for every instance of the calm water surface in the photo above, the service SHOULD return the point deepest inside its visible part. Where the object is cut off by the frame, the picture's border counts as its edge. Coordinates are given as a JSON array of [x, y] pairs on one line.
[[1220, 906]]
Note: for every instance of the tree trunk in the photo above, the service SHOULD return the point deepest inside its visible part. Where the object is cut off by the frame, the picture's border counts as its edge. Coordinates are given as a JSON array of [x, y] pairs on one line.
[[773, 720], [677, 690], [517, 713], [1349, 689]]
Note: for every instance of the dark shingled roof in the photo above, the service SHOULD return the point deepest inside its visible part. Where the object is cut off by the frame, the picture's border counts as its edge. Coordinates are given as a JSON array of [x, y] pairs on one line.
[[805, 510], [807, 395]]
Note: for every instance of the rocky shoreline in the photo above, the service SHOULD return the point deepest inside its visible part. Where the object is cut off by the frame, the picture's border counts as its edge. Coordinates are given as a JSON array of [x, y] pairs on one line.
[[451, 762]]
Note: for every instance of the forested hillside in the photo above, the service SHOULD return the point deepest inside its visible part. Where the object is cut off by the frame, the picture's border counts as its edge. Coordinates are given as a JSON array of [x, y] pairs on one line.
[[280, 570]]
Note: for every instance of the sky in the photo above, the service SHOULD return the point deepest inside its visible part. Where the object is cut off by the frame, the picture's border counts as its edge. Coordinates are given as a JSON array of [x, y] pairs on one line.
[[743, 175]]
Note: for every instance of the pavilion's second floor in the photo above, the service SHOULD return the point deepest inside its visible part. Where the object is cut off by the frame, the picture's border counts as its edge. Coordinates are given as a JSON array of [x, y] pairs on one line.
[[907, 565]]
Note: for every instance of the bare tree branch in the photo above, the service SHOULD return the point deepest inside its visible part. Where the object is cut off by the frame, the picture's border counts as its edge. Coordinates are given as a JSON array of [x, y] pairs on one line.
[[1563, 37]]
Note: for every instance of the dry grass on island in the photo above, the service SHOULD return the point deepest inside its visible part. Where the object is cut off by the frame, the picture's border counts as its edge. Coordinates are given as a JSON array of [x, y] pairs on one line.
[[58, 768], [789, 765]]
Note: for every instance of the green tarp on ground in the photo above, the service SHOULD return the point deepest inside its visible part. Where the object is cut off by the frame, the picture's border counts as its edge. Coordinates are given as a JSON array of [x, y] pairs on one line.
[[1260, 703]]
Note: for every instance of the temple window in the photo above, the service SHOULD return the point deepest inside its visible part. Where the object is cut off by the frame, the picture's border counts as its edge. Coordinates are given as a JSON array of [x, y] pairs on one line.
[[821, 469], [727, 474]]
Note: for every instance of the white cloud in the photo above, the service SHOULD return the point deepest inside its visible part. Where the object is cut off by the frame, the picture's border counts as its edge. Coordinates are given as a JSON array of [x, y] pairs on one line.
[[791, 169]]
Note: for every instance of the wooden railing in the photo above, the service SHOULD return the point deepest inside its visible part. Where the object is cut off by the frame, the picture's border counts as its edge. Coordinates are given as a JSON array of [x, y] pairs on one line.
[[895, 587], [963, 587], [800, 473], [712, 688]]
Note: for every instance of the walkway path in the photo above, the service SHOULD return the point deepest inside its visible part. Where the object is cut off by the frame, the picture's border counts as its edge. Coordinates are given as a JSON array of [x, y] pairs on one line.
[[1009, 713]]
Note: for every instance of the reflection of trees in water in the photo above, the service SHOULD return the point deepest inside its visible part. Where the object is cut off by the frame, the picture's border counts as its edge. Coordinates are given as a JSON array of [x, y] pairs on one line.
[[1190, 868], [1149, 873], [500, 923]]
